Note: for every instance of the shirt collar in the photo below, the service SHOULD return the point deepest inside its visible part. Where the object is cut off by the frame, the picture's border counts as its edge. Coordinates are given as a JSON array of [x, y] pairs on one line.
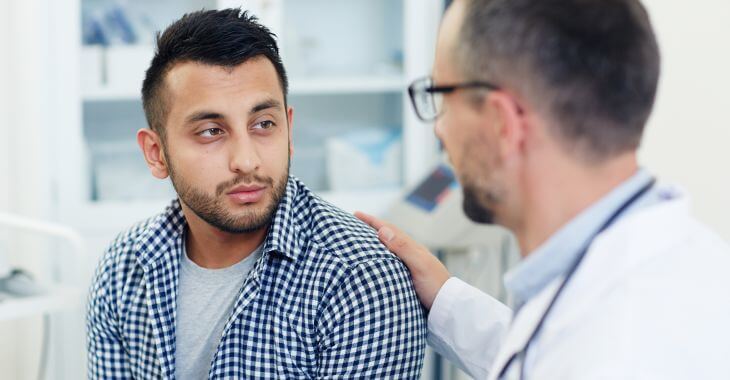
[[284, 236], [164, 233], [554, 257]]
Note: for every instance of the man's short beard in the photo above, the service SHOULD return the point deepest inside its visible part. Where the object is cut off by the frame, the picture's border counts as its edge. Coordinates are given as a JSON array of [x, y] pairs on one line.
[[213, 211]]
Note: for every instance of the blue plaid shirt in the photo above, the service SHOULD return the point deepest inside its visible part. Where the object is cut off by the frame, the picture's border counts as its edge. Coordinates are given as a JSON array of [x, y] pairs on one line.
[[325, 300]]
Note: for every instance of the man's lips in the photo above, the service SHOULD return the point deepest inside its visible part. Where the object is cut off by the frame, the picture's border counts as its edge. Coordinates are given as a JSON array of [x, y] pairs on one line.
[[246, 193]]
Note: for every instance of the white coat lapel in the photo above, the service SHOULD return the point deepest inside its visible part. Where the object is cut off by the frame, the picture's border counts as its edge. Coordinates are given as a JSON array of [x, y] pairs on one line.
[[522, 327]]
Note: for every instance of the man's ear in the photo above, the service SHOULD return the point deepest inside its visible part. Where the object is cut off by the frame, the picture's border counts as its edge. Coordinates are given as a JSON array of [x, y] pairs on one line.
[[152, 149], [290, 121], [509, 119]]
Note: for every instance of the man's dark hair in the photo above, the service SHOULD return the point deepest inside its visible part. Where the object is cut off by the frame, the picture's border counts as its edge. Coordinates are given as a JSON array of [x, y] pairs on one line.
[[225, 38], [590, 66]]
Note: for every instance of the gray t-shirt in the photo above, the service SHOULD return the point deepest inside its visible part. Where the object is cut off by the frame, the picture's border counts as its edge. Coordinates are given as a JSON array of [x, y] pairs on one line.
[[205, 300]]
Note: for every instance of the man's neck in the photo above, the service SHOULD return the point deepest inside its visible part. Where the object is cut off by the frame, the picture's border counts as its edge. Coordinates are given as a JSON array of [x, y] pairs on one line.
[[559, 195], [212, 248]]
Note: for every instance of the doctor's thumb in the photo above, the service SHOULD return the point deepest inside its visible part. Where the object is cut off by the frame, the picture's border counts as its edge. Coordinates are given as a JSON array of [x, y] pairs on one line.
[[395, 242], [386, 235]]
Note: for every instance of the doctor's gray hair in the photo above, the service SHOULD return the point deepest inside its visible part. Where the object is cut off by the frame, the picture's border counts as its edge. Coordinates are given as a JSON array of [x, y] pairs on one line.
[[590, 67]]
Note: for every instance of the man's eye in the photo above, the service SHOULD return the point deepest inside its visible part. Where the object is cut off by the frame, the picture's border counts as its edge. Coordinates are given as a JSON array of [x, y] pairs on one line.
[[211, 132], [266, 124]]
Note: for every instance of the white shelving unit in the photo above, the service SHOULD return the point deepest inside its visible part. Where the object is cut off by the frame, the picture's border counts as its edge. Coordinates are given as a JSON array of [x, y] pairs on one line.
[[348, 85], [333, 85]]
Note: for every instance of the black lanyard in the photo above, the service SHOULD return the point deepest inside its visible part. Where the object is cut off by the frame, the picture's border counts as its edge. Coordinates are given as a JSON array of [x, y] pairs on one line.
[[523, 352]]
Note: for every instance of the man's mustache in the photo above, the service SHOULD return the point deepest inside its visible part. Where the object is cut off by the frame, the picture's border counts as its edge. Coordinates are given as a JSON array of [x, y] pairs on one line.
[[244, 179]]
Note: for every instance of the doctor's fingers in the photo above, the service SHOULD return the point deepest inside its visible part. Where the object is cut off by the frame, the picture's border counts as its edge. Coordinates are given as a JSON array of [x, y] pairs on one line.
[[427, 272], [396, 240], [370, 220]]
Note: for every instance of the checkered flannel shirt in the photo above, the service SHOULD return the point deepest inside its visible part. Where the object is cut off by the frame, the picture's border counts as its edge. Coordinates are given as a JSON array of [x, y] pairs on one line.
[[325, 301]]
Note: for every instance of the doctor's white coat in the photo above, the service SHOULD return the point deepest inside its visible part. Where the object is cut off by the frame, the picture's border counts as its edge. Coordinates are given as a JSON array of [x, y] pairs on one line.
[[651, 300]]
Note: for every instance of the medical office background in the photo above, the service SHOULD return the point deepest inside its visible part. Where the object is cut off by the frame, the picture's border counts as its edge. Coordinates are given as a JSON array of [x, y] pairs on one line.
[[72, 177]]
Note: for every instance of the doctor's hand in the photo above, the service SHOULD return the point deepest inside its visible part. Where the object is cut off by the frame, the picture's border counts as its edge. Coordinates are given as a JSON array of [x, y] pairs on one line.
[[427, 272]]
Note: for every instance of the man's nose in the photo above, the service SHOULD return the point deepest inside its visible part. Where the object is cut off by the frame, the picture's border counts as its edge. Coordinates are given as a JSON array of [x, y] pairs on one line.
[[244, 154]]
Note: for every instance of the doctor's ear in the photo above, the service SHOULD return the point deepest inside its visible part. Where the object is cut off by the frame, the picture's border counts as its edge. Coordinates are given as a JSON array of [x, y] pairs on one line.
[[152, 148], [509, 119]]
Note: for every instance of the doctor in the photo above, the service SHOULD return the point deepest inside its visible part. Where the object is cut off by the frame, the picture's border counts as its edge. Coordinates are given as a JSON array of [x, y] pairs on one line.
[[541, 105]]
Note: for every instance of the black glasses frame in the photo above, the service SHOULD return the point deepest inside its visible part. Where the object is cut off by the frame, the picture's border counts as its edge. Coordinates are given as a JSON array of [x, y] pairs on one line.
[[412, 92]]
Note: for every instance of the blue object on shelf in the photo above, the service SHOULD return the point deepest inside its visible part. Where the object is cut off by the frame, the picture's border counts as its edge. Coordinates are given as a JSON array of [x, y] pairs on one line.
[[120, 23], [93, 32], [374, 143], [364, 158]]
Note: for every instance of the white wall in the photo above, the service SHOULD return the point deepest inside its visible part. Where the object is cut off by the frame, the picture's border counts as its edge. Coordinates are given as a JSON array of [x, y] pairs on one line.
[[4, 145], [25, 190], [6, 331], [689, 133]]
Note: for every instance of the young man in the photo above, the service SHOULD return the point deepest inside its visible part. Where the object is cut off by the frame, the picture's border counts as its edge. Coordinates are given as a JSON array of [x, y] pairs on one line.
[[247, 274], [541, 107]]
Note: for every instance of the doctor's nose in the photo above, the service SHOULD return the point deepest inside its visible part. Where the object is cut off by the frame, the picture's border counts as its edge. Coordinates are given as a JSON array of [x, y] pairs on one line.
[[438, 127]]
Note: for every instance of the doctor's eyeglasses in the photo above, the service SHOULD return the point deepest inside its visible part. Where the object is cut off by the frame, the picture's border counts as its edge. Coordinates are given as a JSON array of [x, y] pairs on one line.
[[428, 99]]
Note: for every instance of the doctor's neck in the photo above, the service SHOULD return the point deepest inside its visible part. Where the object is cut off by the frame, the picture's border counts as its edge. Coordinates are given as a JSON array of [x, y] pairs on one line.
[[560, 188]]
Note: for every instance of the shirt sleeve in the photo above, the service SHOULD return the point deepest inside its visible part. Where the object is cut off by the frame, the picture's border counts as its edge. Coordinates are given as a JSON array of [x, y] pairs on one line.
[[466, 326], [106, 355], [373, 326]]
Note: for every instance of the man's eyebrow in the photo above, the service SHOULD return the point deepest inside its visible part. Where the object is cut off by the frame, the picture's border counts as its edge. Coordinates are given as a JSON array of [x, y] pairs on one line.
[[210, 115], [266, 104], [203, 115]]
